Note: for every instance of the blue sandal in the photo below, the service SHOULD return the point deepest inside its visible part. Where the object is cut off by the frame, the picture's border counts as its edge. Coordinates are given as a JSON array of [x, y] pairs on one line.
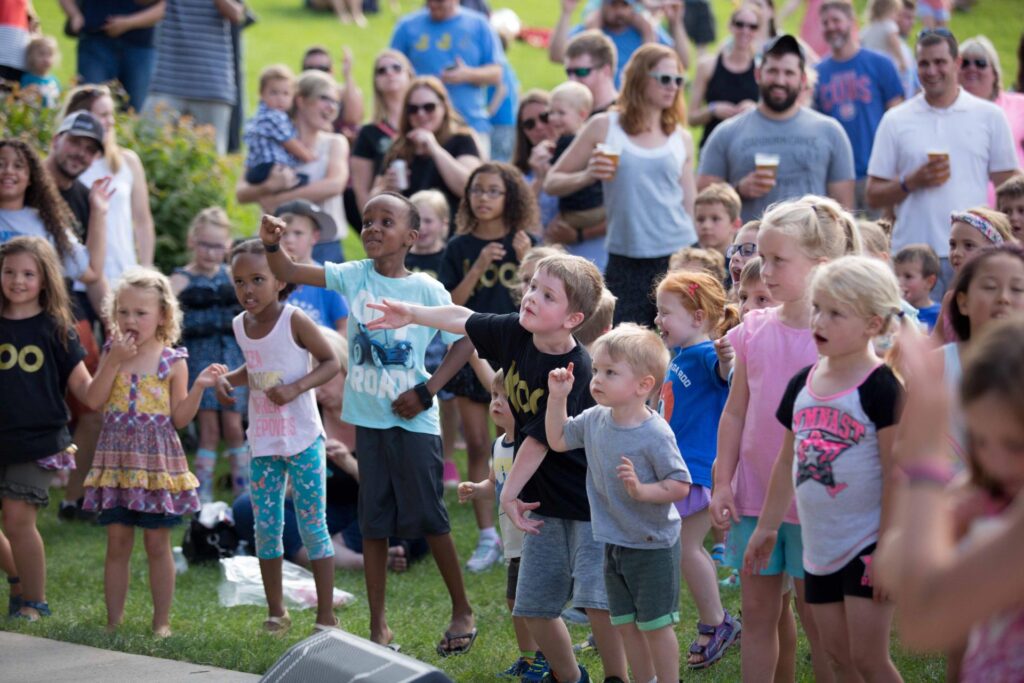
[[43, 608], [721, 637]]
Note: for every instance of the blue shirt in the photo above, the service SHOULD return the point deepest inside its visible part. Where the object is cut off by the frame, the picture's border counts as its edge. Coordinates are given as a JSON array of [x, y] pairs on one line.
[[384, 363], [323, 306], [692, 400], [854, 93], [627, 41], [506, 113], [432, 46], [930, 315]]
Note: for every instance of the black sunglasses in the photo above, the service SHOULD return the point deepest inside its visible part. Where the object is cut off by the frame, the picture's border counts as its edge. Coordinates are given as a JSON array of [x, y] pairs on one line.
[[940, 31], [428, 108], [384, 68], [530, 124], [319, 67], [667, 79], [579, 71], [736, 23], [979, 63]]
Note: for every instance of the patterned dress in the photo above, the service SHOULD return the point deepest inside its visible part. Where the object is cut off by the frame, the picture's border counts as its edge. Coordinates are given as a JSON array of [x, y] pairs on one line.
[[139, 463]]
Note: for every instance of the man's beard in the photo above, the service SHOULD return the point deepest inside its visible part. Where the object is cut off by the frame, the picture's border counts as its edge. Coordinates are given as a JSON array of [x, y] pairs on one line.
[[776, 105]]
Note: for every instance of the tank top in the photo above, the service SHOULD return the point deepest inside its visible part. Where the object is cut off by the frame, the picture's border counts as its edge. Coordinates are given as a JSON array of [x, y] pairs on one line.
[[316, 170], [277, 359], [727, 86], [120, 233], [951, 374], [646, 218]]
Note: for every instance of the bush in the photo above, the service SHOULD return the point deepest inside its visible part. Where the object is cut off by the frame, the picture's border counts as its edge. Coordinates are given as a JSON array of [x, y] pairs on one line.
[[184, 172]]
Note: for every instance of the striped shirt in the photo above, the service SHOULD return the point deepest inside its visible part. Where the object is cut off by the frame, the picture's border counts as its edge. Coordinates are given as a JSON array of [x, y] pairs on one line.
[[194, 56], [13, 33]]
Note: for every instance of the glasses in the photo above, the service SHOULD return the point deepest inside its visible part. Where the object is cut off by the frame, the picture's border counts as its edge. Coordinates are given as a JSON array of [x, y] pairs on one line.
[[490, 193], [427, 108], [979, 63], [530, 124], [736, 23], [667, 79], [211, 246], [384, 68], [746, 250], [940, 31], [327, 99], [318, 67], [578, 71]]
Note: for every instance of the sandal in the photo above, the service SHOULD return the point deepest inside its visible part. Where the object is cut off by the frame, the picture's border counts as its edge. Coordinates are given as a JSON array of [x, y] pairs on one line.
[[721, 637], [446, 649], [277, 625], [13, 601], [42, 609]]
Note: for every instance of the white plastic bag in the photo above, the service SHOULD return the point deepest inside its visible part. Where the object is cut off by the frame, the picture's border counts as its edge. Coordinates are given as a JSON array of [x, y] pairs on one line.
[[242, 584]]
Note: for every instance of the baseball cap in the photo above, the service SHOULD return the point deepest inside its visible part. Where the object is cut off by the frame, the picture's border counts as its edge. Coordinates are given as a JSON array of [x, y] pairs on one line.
[[84, 125], [303, 207], [784, 44]]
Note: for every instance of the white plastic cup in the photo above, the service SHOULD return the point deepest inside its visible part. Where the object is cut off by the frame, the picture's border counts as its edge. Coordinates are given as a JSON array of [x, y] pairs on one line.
[[401, 170]]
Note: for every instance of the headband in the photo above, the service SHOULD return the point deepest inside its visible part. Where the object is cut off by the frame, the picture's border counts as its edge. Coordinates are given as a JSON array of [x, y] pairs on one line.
[[982, 225]]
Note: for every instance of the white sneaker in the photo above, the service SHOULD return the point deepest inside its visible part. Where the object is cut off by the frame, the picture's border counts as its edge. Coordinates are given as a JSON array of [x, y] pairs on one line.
[[487, 554]]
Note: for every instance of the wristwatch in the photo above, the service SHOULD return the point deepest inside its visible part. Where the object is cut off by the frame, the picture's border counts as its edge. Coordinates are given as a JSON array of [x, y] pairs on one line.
[[271, 248], [426, 398]]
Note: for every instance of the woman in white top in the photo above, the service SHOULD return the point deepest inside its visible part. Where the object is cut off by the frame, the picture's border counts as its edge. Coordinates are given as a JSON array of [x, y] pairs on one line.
[[315, 108], [649, 191], [131, 238]]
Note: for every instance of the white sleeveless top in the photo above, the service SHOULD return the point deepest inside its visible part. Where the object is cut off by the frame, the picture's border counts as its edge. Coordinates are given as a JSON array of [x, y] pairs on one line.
[[277, 359], [951, 374], [316, 170], [120, 234]]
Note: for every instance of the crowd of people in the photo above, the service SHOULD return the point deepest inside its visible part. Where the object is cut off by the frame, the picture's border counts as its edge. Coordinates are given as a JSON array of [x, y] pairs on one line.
[[796, 343]]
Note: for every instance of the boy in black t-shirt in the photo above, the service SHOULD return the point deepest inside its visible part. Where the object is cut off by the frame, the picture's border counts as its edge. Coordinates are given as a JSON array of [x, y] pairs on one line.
[[561, 559]]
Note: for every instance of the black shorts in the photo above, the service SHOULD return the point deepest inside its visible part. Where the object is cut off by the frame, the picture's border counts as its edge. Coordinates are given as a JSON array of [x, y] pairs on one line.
[[512, 572], [401, 483], [465, 384], [852, 580]]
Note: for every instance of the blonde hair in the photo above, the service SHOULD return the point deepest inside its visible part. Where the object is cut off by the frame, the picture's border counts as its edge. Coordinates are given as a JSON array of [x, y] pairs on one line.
[[721, 193], [600, 322], [276, 72], [876, 237], [711, 261], [639, 347], [533, 256], [83, 98], [498, 383], [878, 10], [820, 226], [580, 277], [433, 199], [576, 95], [751, 271], [864, 284], [311, 85], [169, 330], [702, 292], [212, 217], [981, 43], [380, 111], [37, 44], [998, 220]]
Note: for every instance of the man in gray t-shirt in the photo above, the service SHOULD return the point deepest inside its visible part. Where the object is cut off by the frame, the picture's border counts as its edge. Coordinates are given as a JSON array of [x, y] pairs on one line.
[[804, 152]]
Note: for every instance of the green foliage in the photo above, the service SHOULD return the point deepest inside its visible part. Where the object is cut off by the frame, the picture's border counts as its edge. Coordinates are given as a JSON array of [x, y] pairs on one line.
[[23, 116]]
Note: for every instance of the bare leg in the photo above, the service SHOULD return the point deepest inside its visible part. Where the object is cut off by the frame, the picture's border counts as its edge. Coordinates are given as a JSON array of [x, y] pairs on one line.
[[323, 576], [835, 640], [442, 547], [270, 571], [116, 574], [664, 647], [819, 660], [231, 425], [475, 422], [761, 597], [161, 577], [524, 641], [87, 434], [869, 624], [609, 644], [209, 429], [638, 653], [26, 546], [345, 557], [449, 430], [8, 567], [700, 574], [375, 562], [552, 636], [785, 668]]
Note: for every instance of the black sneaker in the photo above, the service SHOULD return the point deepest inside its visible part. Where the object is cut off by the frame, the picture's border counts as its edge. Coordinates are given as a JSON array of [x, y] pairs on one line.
[[67, 511], [550, 677]]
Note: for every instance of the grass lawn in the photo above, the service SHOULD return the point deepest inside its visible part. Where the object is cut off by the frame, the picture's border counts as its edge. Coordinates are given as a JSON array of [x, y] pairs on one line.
[[205, 632]]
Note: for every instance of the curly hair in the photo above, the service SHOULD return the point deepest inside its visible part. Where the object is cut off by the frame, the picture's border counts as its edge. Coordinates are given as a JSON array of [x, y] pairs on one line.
[[520, 211], [42, 195], [53, 295], [452, 123], [168, 331]]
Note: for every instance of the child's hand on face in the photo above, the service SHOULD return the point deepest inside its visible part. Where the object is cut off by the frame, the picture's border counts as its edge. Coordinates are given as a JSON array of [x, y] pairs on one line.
[[123, 348], [271, 229], [467, 491], [627, 475], [224, 390], [560, 382], [283, 394], [396, 314], [521, 243], [210, 374]]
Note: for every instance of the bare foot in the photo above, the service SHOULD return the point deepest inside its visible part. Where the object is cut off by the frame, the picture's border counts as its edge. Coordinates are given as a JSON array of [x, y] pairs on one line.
[[383, 637], [161, 632], [397, 561]]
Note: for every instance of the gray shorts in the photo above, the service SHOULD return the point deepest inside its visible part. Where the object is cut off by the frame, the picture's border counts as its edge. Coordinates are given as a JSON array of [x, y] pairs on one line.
[[563, 562], [643, 586], [26, 481], [401, 487]]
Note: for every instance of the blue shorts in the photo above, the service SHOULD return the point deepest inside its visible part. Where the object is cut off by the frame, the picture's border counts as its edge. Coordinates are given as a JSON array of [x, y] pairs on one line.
[[143, 520], [787, 556], [925, 11]]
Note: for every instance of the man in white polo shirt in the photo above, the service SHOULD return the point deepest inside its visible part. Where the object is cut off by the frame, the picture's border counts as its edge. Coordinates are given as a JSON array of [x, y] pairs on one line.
[[936, 152]]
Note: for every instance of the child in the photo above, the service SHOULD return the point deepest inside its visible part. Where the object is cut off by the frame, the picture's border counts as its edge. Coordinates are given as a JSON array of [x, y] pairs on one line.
[[389, 398], [571, 103], [771, 346], [530, 665], [426, 256], [599, 323], [270, 134], [42, 358], [840, 415], [744, 248], [882, 34], [1010, 201], [528, 266], [478, 268], [634, 474], [691, 309], [561, 559], [207, 297], [698, 260], [717, 218], [752, 293], [917, 270], [41, 56], [139, 476]]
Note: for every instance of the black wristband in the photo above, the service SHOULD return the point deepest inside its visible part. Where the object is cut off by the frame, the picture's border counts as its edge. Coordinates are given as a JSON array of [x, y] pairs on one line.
[[271, 248], [426, 398]]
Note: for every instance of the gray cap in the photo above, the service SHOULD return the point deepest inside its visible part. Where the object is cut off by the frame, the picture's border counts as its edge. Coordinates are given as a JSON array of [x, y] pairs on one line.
[[84, 125], [303, 207]]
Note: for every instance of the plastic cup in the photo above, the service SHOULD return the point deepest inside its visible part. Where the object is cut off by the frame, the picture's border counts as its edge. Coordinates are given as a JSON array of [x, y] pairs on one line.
[[768, 163]]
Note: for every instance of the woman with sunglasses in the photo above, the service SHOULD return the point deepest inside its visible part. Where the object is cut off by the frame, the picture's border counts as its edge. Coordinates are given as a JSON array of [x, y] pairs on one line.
[[533, 147], [981, 75], [392, 74], [436, 146], [313, 112], [649, 191], [724, 85]]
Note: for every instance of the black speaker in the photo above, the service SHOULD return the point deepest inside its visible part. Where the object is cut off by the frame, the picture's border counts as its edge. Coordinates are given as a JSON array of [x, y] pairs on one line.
[[339, 657]]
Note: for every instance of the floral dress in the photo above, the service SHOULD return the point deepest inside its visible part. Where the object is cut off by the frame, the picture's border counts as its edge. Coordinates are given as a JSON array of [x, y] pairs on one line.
[[139, 463]]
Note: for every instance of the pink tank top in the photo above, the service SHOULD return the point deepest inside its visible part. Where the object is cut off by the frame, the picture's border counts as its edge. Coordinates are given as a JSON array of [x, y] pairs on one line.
[[273, 360]]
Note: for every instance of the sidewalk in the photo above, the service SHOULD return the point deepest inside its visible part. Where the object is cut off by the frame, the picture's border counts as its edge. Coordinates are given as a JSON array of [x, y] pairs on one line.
[[26, 658]]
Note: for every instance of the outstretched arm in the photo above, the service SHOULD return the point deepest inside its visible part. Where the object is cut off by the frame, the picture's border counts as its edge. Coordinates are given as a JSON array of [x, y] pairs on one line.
[[284, 269], [399, 314]]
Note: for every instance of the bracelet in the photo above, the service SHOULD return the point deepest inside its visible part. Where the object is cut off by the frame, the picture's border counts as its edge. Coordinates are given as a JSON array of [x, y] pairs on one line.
[[423, 393], [271, 248], [903, 184], [932, 473]]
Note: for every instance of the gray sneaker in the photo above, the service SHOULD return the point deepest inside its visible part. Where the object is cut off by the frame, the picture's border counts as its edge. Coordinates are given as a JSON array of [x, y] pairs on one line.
[[487, 554]]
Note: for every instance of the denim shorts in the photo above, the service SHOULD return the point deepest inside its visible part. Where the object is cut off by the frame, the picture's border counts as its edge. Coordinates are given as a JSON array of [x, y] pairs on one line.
[[787, 556], [143, 520], [643, 585], [561, 563]]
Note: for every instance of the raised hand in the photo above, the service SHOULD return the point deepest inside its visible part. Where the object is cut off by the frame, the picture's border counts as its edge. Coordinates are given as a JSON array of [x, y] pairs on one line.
[[100, 194], [271, 229], [210, 374], [123, 348], [560, 382], [396, 314], [522, 244]]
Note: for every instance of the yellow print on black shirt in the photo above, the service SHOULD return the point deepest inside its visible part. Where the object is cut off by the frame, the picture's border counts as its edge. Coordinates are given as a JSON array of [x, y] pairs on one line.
[[520, 396]]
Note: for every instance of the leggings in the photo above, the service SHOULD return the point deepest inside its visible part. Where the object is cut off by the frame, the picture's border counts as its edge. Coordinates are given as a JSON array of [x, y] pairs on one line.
[[308, 472]]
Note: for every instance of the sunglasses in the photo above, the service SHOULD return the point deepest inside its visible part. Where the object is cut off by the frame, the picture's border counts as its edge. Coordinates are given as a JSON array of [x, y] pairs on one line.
[[736, 23], [318, 67], [530, 124], [940, 31], [384, 68], [428, 108], [579, 71], [746, 250], [667, 79], [979, 63]]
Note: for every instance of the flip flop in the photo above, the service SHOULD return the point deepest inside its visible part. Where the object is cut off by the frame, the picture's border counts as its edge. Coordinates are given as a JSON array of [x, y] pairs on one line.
[[394, 647], [277, 625], [451, 650]]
